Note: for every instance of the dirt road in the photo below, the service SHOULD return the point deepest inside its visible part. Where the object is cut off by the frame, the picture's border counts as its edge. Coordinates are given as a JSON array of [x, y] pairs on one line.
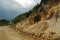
[[9, 34], [2, 34]]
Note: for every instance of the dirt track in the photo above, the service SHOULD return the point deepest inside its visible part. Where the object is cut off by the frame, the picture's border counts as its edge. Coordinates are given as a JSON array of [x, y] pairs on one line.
[[9, 34], [2, 34]]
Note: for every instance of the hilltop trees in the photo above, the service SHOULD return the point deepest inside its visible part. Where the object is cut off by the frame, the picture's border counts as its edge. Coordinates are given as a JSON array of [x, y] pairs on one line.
[[4, 22]]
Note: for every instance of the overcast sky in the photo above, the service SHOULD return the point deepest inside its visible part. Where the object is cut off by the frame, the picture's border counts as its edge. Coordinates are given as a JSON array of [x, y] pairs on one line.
[[9, 9]]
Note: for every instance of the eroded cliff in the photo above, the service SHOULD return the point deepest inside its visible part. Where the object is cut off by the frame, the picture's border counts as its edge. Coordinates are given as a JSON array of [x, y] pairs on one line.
[[43, 23]]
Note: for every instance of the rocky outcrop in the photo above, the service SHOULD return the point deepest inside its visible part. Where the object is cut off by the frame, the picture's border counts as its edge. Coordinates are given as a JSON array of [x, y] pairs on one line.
[[45, 11]]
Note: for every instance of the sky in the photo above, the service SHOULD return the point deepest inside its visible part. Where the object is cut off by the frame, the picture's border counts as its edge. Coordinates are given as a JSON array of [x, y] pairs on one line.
[[9, 9]]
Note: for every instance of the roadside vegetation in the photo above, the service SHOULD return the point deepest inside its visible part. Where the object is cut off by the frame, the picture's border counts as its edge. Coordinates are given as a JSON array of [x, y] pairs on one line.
[[25, 15], [19, 18]]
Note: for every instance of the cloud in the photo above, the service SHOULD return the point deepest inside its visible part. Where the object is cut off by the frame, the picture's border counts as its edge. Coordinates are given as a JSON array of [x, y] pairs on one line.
[[26, 3]]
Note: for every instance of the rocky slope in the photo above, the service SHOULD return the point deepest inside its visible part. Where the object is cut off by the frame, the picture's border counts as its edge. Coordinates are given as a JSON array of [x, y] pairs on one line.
[[43, 23]]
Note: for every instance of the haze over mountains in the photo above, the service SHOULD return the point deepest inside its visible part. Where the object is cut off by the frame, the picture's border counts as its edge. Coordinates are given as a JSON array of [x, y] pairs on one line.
[[9, 9]]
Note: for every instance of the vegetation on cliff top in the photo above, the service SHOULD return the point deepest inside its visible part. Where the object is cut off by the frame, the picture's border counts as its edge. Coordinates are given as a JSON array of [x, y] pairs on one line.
[[27, 14], [19, 18]]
